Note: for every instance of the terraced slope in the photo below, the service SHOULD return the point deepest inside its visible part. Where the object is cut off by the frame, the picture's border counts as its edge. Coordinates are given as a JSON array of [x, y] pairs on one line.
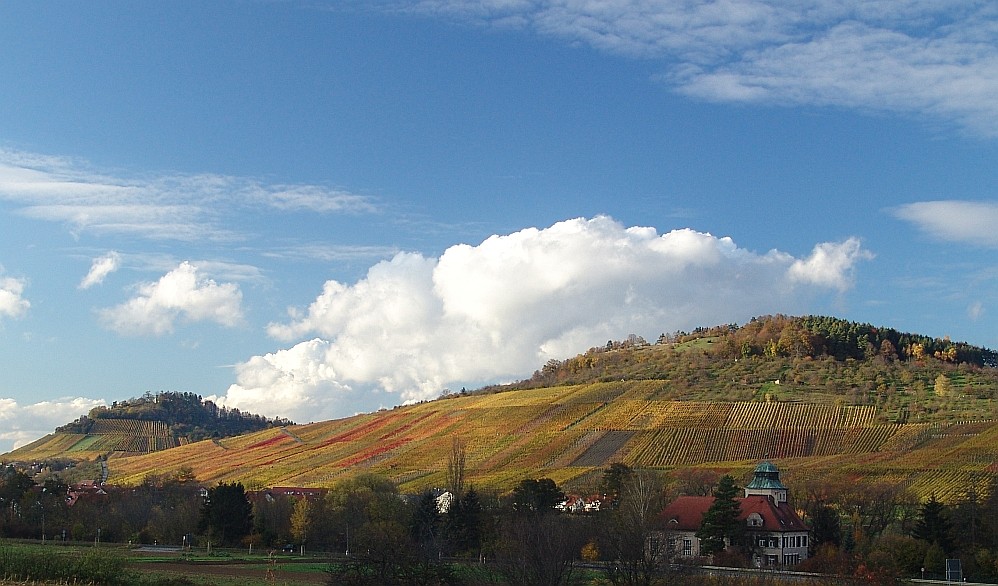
[[570, 433], [108, 436]]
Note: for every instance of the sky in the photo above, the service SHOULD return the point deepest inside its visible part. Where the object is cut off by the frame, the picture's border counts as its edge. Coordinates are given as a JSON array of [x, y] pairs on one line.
[[312, 209]]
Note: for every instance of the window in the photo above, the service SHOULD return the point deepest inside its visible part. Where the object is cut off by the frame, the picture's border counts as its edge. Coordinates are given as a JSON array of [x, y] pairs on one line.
[[687, 547], [791, 559]]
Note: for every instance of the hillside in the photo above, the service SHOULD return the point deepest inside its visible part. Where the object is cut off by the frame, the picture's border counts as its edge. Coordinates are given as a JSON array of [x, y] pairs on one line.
[[911, 412], [142, 425]]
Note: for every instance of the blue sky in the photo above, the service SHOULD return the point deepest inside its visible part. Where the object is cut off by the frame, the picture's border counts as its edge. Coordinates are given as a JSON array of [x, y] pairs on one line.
[[311, 209]]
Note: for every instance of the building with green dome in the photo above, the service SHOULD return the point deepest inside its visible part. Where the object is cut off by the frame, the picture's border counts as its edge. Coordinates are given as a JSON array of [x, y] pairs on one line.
[[766, 482], [775, 534]]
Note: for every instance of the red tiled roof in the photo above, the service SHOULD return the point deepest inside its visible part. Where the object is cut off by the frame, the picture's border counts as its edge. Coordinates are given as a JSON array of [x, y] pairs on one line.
[[686, 512]]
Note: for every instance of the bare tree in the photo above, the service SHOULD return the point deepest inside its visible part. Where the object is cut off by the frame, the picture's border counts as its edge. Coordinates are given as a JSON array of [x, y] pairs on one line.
[[636, 549], [538, 550], [455, 467]]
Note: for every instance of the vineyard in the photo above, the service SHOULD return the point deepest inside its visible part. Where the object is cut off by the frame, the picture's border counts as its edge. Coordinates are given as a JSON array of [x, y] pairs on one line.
[[570, 433], [122, 436]]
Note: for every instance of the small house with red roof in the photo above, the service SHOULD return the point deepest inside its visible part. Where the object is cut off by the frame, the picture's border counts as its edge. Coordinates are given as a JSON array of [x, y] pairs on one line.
[[777, 535]]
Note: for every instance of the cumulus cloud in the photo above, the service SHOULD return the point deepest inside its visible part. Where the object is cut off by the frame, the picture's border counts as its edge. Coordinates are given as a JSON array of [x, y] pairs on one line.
[[12, 302], [968, 222], [183, 294], [830, 264], [922, 57], [100, 268], [415, 325], [158, 207], [22, 424]]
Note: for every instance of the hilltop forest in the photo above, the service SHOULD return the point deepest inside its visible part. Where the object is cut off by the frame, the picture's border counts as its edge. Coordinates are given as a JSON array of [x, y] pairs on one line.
[[186, 414], [776, 338]]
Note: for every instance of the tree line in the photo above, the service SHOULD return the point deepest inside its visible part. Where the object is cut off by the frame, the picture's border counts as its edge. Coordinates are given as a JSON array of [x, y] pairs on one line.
[[881, 531]]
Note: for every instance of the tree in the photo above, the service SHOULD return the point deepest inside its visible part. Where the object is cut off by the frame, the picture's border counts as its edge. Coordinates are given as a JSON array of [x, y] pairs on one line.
[[301, 520], [357, 501], [628, 533], [696, 481], [383, 534], [226, 515], [463, 523], [935, 560], [539, 550], [720, 525], [933, 525], [536, 496], [825, 526], [942, 386], [614, 479], [424, 526], [455, 467]]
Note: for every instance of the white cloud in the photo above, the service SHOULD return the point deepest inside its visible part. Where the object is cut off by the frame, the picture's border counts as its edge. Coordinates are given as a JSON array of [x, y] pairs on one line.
[[182, 294], [968, 222], [158, 207], [415, 325], [100, 269], [925, 57], [12, 302], [311, 198], [22, 424], [830, 264], [975, 311]]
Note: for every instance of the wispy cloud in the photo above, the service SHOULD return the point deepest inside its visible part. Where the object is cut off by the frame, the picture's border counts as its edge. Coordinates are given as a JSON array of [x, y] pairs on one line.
[[333, 252], [933, 58], [967, 222], [311, 198], [158, 207], [183, 294], [417, 324], [100, 269]]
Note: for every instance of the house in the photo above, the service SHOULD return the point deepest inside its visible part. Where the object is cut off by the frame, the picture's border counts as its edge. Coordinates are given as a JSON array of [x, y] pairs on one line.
[[83, 489], [445, 500], [776, 534], [576, 504], [271, 494]]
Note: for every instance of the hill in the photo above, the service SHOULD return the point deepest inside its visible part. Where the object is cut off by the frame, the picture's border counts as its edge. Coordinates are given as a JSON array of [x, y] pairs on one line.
[[817, 395], [141, 425]]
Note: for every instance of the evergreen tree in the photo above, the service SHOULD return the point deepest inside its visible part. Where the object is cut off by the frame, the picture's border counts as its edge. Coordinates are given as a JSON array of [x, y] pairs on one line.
[[226, 515], [720, 523], [826, 526], [933, 525], [425, 523]]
